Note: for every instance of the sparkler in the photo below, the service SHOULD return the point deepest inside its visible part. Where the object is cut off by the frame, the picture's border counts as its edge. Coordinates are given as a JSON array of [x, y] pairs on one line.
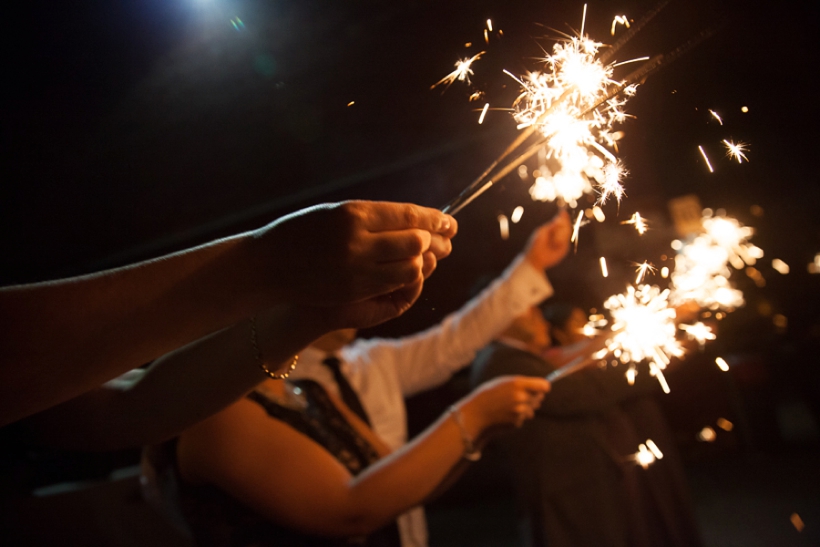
[[643, 326], [736, 151], [642, 269], [573, 113], [702, 270]]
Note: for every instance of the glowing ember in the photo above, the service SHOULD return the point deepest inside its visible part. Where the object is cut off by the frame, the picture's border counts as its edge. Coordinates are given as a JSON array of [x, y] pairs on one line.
[[725, 424], [716, 116], [604, 270], [722, 364], [647, 454], [780, 266], [707, 434], [504, 226], [517, 213], [483, 113]]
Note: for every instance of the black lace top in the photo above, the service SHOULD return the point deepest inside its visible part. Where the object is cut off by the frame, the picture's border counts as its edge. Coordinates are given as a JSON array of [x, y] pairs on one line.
[[215, 519]]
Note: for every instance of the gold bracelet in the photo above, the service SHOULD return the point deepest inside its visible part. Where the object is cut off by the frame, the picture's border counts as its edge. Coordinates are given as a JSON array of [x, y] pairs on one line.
[[471, 453], [261, 362]]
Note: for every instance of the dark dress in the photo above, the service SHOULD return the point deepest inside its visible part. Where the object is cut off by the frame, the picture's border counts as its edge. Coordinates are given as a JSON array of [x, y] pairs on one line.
[[214, 519], [575, 481]]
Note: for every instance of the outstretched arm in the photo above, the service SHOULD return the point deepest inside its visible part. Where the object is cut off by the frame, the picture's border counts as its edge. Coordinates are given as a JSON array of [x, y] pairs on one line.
[[62, 338], [291, 480]]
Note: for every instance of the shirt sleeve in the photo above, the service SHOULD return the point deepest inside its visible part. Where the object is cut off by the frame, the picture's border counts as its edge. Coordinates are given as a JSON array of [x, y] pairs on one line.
[[429, 358]]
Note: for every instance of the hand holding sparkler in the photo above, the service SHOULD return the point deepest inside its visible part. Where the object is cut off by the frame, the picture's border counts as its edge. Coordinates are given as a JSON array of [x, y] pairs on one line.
[[549, 244]]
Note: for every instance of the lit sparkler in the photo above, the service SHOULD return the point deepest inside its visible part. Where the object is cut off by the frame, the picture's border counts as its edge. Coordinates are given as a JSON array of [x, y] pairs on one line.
[[643, 326], [638, 221], [462, 72], [736, 151]]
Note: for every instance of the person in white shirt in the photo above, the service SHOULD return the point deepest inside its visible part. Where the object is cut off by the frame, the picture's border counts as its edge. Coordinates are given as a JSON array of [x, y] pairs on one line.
[[383, 372]]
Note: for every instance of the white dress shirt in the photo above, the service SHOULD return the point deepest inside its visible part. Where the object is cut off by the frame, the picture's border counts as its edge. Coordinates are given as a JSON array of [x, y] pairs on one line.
[[385, 371]]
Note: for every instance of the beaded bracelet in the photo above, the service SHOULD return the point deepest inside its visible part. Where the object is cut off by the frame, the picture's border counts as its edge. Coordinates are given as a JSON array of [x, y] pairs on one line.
[[261, 362]]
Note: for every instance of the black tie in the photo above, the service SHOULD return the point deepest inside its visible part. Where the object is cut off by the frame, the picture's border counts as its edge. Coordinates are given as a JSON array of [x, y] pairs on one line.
[[348, 395]]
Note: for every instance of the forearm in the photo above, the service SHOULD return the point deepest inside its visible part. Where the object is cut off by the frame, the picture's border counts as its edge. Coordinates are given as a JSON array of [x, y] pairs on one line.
[[63, 338], [177, 391], [410, 475]]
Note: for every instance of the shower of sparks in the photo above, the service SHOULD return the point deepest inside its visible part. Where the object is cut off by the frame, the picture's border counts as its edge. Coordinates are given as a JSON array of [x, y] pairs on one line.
[[638, 221], [643, 327], [462, 72], [567, 102], [483, 113], [716, 116], [516, 215], [702, 271], [619, 20], [699, 332], [577, 228], [604, 270], [722, 364], [706, 159], [736, 151], [642, 269]]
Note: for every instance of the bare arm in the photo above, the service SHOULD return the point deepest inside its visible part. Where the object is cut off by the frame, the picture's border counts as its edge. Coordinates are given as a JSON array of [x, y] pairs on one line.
[[291, 480], [62, 338]]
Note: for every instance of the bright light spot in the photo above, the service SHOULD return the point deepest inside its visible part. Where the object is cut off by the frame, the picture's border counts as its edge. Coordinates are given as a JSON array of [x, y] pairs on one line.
[[716, 116], [744, 109], [351, 103], [604, 270], [722, 364], [516, 215], [707, 434], [504, 226], [725, 424], [814, 267], [598, 213], [780, 266], [522, 172], [489, 25], [676, 244], [736, 151], [664, 272], [483, 113], [644, 456]]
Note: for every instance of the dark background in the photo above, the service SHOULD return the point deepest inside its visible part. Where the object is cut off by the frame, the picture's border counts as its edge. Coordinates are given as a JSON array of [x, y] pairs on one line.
[[132, 129]]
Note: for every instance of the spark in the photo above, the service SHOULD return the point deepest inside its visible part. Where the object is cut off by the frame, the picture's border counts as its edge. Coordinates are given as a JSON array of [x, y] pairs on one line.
[[476, 96], [722, 364], [725, 424], [664, 272], [604, 270], [797, 522], [489, 25], [504, 226], [780, 266], [706, 159], [486, 36], [716, 116], [351, 103], [516, 215], [642, 269], [744, 109], [598, 213], [654, 449], [736, 151], [619, 20], [643, 327], [577, 228], [699, 332], [814, 267], [707, 434], [483, 113], [462, 72], [638, 221]]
